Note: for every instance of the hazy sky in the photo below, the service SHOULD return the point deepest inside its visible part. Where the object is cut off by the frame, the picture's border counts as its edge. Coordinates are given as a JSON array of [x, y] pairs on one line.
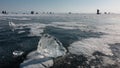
[[79, 6]]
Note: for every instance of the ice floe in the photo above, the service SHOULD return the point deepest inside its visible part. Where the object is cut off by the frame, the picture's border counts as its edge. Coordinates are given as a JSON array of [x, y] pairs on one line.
[[12, 26], [18, 53], [48, 46]]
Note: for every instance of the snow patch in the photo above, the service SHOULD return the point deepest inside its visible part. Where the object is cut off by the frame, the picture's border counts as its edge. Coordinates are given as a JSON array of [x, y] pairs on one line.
[[35, 28], [70, 25], [88, 46], [21, 18]]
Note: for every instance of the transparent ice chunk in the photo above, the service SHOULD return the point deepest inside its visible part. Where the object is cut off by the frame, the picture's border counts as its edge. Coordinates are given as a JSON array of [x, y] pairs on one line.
[[49, 46]]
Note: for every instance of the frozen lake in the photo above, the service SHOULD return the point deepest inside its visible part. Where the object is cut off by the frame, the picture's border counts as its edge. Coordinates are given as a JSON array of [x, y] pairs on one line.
[[91, 35]]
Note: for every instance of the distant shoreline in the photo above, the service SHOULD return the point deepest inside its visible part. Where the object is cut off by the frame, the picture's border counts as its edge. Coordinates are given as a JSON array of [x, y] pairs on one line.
[[54, 14]]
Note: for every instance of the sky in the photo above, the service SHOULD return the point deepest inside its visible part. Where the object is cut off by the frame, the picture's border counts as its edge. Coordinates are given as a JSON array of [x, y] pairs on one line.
[[75, 6]]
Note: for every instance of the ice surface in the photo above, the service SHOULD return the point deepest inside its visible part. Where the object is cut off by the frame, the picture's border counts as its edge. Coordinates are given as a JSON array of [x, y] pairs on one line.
[[102, 44], [49, 47], [89, 46], [37, 28], [37, 63]]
